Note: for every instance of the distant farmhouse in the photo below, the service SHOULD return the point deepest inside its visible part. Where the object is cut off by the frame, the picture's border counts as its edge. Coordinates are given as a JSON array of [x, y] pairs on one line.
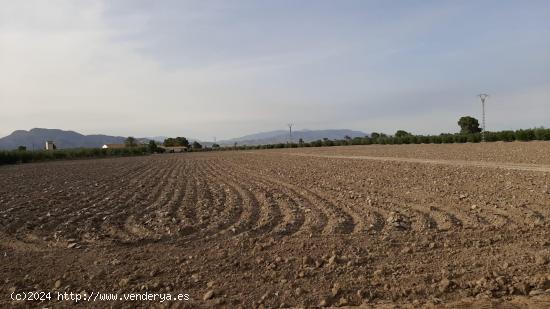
[[50, 145], [113, 146], [174, 149]]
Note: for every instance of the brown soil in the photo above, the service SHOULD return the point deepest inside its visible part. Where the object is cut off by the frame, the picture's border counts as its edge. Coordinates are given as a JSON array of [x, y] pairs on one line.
[[535, 152], [502, 165], [293, 228]]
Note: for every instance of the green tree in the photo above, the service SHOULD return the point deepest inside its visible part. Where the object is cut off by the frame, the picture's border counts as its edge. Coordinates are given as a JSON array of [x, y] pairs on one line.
[[525, 135], [21, 148], [182, 141], [130, 142], [152, 146], [402, 133], [347, 140], [176, 142], [169, 142], [196, 145], [469, 125], [374, 135]]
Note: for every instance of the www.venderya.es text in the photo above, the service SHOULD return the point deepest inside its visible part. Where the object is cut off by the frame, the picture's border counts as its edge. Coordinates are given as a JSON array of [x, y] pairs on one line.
[[41, 296]]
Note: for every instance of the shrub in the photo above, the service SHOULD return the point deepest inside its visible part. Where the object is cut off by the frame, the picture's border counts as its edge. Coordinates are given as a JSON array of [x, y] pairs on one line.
[[542, 134], [474, 138], [525, 135]]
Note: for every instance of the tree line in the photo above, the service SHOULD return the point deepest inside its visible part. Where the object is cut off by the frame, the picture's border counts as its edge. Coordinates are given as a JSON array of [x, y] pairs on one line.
[[24, 156], [470, 132], [132, 148]]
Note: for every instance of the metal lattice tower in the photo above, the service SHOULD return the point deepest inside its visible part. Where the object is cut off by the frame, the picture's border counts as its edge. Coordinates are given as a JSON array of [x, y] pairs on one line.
[[483, 97], [290, 132]]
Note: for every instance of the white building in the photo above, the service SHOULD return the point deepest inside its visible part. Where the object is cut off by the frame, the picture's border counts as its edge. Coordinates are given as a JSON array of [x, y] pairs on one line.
[[50, 145], [113, 146], [174, 149]]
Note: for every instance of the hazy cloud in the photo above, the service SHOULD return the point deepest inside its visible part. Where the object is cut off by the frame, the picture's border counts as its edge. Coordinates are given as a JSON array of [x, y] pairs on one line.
[[219, 68]]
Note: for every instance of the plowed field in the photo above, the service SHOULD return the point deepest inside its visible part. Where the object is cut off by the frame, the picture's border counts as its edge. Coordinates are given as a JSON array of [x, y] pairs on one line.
[[455, 225]]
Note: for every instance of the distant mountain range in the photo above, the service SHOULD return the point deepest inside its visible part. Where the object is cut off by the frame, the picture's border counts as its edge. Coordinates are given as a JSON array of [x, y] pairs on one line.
[[282, 136], [37, 137]]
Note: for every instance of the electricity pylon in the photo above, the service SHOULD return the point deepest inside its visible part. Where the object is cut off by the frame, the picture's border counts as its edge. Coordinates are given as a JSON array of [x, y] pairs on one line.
[[483, 97]]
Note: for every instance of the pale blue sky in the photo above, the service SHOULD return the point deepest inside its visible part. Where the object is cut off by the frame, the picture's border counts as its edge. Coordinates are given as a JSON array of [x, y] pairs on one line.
[[229, 68]]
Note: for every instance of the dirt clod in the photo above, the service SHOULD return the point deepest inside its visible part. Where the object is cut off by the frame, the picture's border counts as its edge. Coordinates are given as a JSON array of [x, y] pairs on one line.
[[208, 295]]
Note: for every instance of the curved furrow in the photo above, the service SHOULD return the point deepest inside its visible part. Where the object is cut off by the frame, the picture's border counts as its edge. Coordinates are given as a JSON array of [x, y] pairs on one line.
[[36, 184], [281, 219], [156, 217], [128, 203], [538, 217], [489, 216], [292, 218], [172, 216], [143, 222], [231, 200], [267, 215], [61, 219], [304, 216], [502, 218], [444, 219], [269, 212], [206, 207], [93, 204], [419, 217], [248, 207], [469, 218], [49, 211], [379, 221], [223, 214], [539, 208], [99, 194], [186, 212], [227, 214], [338, 222], [281, 228], [315, 219], [128, 193], [480, 219], [87, 221], [363, 218], [374, 216], [526, 215]]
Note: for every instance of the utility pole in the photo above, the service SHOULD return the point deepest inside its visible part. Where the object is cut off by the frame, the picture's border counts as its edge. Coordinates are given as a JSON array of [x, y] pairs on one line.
[[290, 132], [483, 97]]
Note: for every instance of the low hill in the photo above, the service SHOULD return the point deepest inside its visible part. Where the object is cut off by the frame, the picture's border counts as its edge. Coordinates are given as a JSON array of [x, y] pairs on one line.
[[281, 136], [36, 138]]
